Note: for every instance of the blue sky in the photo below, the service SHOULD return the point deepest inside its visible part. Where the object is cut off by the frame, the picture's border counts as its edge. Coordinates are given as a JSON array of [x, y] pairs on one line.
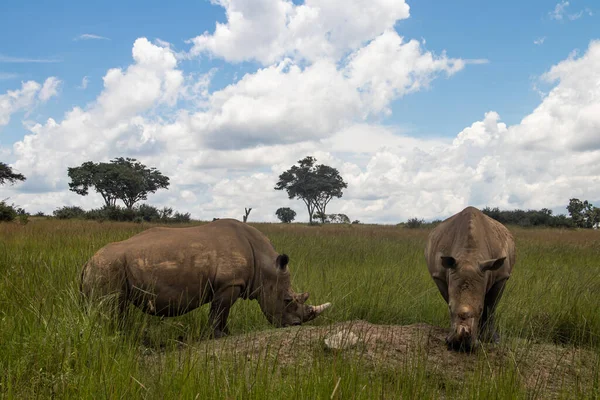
[[44, 40], [502, 32], [44, 31]]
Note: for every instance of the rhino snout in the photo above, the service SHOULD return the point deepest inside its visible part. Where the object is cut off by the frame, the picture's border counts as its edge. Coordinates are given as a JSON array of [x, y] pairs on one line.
[[463, 336], [466, 343]]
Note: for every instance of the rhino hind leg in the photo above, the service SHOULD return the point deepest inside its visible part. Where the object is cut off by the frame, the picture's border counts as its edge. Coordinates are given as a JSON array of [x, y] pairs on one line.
[[487, 325], [107, 289], [219, 310]]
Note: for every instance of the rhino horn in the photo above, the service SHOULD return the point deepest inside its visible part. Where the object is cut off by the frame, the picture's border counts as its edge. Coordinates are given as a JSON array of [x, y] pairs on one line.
[[319, 309]]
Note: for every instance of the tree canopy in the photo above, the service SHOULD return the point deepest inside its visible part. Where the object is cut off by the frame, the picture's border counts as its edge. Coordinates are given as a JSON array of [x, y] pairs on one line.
[[338, 219], [285, 214], [8, 175], [124, 179], [583, 213], [315, 184]]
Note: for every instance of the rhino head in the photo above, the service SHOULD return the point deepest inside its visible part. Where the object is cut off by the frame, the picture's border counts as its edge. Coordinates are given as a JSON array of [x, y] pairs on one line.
[[466, 290], [279, 303]]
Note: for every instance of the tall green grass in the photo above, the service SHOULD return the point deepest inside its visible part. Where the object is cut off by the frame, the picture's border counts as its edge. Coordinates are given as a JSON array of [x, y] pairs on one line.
[[50, 345]]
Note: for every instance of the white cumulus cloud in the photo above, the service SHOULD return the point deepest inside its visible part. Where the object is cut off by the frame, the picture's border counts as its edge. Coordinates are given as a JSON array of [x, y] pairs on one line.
[[15, 100], [270, 30], [387, 69], [553, 154], [324, 81], [287, 103], [152, 80], [111, 126], [49, 89], [26, 97]]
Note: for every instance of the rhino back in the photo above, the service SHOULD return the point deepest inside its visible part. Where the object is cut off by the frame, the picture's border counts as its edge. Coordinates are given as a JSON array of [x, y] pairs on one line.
[[470, 233], [193, 262]]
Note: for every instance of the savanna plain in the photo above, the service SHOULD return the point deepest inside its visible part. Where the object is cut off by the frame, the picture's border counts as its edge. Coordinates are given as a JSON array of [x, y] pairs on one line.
[[52, 345]]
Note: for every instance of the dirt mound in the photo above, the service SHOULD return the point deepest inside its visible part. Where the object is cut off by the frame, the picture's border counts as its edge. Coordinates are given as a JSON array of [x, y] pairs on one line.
[[542, 368]]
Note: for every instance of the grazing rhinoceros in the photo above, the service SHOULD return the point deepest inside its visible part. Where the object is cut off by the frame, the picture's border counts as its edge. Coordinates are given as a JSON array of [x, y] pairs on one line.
[[171, 271], [470, 257]]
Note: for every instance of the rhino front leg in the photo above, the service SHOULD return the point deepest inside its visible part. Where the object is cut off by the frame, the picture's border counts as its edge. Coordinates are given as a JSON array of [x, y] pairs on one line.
[[487, 326], [219, 309]]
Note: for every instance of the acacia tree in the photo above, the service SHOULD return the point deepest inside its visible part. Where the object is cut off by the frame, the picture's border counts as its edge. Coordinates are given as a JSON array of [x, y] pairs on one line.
[[315, 184], [8, 175], [122, 179], [100, 176], [330, 185], [135, 180]]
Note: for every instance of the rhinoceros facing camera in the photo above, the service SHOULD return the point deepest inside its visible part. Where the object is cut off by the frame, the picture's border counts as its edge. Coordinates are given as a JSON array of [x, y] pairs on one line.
[[470, 256]]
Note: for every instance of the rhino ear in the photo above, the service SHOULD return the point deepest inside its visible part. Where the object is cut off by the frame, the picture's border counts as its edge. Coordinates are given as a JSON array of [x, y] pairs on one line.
[[448, 262], [282, 261], [491, 265], [303, 297]]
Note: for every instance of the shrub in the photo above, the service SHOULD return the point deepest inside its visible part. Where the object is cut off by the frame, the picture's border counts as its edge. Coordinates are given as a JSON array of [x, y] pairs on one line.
[[180, 218], [331, 218], [413, 223], [117, 213], [113, 213], [285, 214], [338, 218], [147, 213], [562, 221], [69, 212], [24, 218], [95, 214], [165, 213], [7, 212], [432, 224]]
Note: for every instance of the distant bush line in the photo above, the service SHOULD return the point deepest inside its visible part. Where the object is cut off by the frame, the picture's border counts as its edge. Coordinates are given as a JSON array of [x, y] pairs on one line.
[[148, 213], [414, 223], [541, 218], [141, 213], [529, 218]]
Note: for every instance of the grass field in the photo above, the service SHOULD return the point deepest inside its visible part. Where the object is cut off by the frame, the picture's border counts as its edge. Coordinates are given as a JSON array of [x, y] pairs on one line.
[[376, 278]]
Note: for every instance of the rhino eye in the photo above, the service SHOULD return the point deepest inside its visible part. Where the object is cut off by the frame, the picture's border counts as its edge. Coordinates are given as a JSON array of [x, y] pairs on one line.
[[288, 299], [449, 262]]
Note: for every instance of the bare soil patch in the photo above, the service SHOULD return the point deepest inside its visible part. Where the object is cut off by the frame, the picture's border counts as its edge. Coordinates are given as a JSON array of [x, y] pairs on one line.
[[544, 369]]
